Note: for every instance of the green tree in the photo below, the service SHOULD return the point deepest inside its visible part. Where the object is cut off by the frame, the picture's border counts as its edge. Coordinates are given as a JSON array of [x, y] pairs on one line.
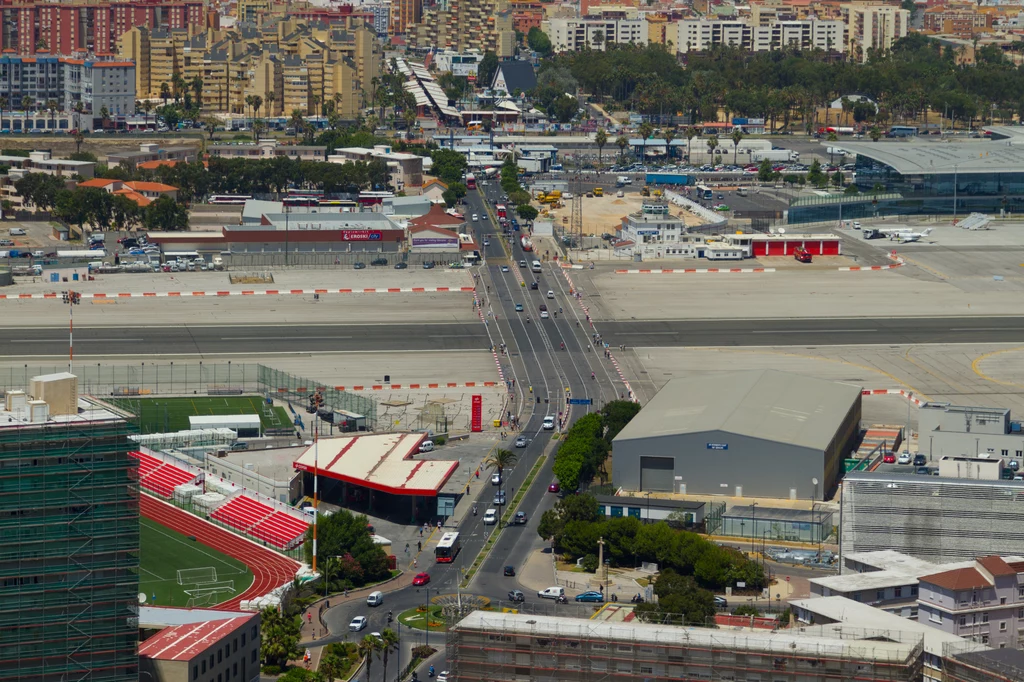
[[388, 643], [539, 42], [875, 134], [564, 108], [345, 533], [165, 214], [600, 139], [527, 212], [691, 132], [582, 508], [279, 637], [815, 176], [486, 69], [165, 92], [448, 165], [764, 170], [837, 179], [615, 415], [79, 139], [621, 142], [646, 130], [712, 143]]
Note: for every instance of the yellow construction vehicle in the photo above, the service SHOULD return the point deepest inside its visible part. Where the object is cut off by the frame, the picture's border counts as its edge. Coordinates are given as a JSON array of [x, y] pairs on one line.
[[657, 193], [646, 191], [598, 191]]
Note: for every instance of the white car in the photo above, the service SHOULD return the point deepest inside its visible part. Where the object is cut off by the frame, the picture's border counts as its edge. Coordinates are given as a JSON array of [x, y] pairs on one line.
[[475, 217], [443, 677], [495, 478], [551, 294], [358, 623], [904, 458]]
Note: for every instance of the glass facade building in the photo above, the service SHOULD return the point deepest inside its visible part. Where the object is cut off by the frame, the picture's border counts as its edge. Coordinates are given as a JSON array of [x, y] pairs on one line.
[[69, 552], [924, 178]]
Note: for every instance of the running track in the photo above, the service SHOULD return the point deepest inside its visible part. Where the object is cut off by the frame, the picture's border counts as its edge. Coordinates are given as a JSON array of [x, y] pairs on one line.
[[269, 569]]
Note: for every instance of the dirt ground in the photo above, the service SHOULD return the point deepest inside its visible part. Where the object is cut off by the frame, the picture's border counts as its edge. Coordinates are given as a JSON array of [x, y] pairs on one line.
[[604, 214]]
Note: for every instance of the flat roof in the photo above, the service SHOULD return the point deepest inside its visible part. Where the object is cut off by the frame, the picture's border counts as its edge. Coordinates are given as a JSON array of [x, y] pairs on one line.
[[850, 612], [274, 464], [170, 616], [206, 421], [849, 582], [90, 410], [963, 157], [766, 404], [383, 462], [185, 642], [891, 560], [782, 641]]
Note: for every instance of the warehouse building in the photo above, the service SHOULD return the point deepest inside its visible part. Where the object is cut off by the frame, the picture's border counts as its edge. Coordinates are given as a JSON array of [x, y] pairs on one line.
[[760, 433]]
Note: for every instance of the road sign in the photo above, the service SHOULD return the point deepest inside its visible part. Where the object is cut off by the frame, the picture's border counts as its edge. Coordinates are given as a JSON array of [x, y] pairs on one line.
[[580, 401]]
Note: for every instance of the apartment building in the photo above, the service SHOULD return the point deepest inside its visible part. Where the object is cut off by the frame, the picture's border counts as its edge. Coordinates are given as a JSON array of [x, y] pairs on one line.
[[87, 26], [290, 64], [873, 26], [594, 33], [699, 35], [983, 602], [67, 82], [957, 21], [517, 646], [405, 14], [485, 25], [268, 149]]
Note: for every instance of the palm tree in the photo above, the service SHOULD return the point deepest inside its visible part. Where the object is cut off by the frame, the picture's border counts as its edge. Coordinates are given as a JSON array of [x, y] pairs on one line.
[[737, 136], [53, 107], [79, 139], [389, 643], [500, 460], [369, 646], [179, 85], [645, 130], [670, 135], [165, 92], [257, 103], [269, 98], [315, 99], [249, 99], [147, 106], [197, 89], [712, 144], [600, 139], [297, 122], [691, 132], [622, 143], [4, 103], [337, 101], [27, 102]]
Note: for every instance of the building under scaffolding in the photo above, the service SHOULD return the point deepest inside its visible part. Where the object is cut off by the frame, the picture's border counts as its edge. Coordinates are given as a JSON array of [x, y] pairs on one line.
[[994, 665], [513, 646], [69, 539]]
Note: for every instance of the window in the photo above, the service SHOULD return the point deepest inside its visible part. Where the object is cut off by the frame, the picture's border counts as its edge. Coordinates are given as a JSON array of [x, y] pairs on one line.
[[897, 592], [1002, 626], [195, 671], [1006, 452], [243, 634], [235, 669], [963, 620], [220, 655], [880, 595], [1002, 601], [204, 666], [913, 591], [253, 655], [984, 618], [935, 616]]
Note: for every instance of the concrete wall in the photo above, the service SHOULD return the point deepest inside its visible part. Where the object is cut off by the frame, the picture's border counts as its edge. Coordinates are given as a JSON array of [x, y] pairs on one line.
[[761, 468]]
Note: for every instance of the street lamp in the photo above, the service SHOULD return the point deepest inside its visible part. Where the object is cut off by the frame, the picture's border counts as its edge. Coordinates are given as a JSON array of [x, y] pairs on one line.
[[648, 495]]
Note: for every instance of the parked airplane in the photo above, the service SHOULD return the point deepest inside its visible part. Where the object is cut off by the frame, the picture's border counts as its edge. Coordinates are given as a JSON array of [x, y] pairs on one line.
[[904, 237]]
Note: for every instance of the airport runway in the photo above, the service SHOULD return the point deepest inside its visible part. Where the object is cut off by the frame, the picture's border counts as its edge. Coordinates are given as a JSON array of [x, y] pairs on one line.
[[214, 340]]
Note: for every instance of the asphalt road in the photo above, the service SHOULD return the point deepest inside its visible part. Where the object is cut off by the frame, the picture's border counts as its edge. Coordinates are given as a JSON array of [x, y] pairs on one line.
[[214, 340]]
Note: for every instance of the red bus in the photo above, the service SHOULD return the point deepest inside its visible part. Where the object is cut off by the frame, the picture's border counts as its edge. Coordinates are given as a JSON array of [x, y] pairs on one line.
[[470, 181], [502, 210]]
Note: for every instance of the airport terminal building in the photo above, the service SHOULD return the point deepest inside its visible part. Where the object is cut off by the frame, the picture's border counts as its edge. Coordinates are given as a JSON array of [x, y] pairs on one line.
[[919, 177]]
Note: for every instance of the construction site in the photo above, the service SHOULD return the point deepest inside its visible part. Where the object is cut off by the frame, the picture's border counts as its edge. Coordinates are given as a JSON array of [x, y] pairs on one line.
[[70, 533], [515, 646]]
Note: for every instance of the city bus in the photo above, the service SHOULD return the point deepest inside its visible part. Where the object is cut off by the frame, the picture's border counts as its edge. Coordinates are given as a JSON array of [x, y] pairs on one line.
[[448, 548], [704, 192], [300, 201], [369, 198], [237, 199], [902, 131], [343, 204], [470, 181]]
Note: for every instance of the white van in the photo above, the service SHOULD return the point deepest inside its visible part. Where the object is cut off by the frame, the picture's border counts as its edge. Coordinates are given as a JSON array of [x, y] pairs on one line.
[[535, 266], [427, 446], [17, 232], [375, 598], [549, 423], [551, 593], [490, 517]]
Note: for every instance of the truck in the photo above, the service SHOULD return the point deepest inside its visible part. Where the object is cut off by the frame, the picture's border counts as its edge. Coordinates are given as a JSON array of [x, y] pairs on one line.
[[470, 181], [802, 255], [838, 130], [599, 191], [623, 180], [526, 244], [785, 155], [678, 179], [836, 151]]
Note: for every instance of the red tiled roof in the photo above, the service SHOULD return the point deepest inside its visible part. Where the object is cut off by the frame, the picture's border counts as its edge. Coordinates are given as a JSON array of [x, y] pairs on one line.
[[185, 642], [97, 182], [135, 196], [997, 566], [957, 579], [436, 217], [434, 229], [150, 187]]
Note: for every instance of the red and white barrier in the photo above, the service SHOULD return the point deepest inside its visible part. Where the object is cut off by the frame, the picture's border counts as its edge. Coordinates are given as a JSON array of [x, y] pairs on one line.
[[694, 271], [909, 395], [897, 262], [248, 292], [414, 387]]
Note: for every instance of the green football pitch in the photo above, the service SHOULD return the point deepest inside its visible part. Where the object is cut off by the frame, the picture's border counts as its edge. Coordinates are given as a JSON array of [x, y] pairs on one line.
[[175, 571], [163, 415]]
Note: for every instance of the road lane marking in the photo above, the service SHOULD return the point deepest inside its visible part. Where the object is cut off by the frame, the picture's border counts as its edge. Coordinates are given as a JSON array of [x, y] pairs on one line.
[[810, 331]]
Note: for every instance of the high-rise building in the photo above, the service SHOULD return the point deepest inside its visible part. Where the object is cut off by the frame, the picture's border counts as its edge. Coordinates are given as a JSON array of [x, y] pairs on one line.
[[699, 35], [873, 27], [69, 529], [484, 25], [405, 14], [69, 82], [87, 26]]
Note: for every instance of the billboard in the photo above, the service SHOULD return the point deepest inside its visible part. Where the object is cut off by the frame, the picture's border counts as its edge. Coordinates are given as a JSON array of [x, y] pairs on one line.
[[476, 425], [361, 235]]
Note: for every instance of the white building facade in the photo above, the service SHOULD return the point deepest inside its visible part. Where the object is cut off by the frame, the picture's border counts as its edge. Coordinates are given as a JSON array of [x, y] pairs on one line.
[[700, 35], [573, 35]]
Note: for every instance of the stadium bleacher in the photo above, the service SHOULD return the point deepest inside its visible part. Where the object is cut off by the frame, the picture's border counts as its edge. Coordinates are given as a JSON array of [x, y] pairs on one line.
[[159, 477], [241, 512], [279, 529]]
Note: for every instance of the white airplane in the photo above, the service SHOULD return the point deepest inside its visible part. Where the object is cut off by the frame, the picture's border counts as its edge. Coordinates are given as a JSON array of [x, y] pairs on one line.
[[904, 237]]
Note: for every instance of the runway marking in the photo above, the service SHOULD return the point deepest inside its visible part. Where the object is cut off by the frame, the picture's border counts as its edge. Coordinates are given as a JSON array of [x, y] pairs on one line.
[[985, 329], [975, 366], [282, 338], [58, 340], [811, 331]]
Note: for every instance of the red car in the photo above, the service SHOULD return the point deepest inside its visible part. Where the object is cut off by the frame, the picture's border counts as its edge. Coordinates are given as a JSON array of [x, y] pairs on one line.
[[889, 458], [553, 488], [421, 579]]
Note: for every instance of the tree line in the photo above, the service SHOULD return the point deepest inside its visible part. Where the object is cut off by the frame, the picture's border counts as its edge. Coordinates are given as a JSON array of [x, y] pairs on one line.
[[917, 75], [586, 445]]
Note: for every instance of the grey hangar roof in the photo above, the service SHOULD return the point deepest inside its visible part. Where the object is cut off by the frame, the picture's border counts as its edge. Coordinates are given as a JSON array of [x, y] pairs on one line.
[[765, 404], [962, 157]]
